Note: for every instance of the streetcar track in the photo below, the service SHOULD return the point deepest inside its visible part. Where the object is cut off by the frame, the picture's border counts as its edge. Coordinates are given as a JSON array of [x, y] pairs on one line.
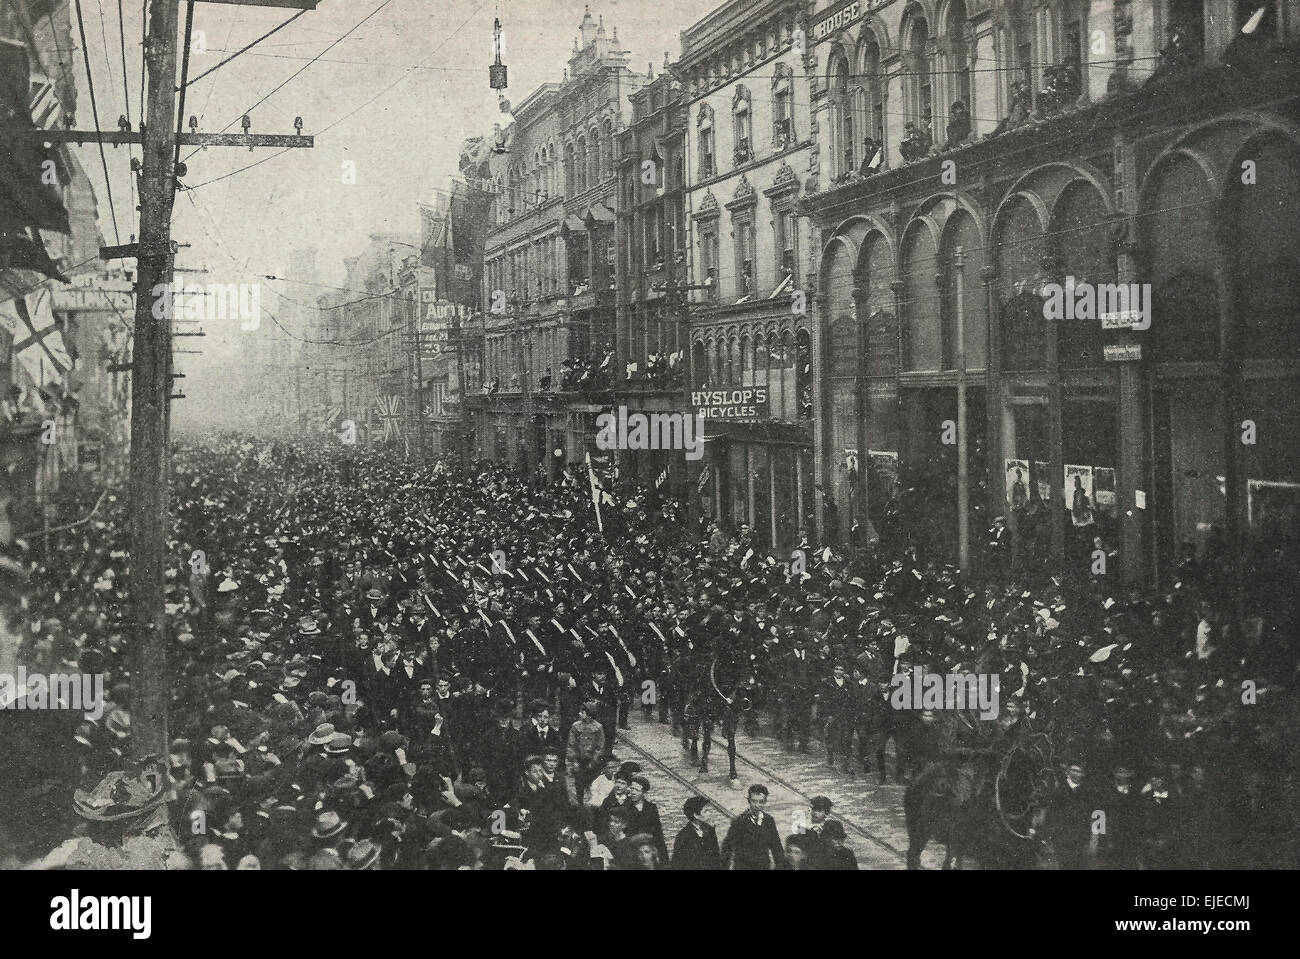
[[767, 773], [678, 777]]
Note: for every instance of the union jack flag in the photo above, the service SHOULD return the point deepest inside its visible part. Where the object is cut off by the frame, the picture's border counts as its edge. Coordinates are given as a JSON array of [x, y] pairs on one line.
[[44, 103], [389, 409]]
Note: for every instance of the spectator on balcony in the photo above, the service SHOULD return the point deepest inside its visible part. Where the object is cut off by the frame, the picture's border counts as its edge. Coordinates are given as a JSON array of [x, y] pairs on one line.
[[1061, 91], [1176, 55], [958, 124], [546, 380], [916, 142], [1019, 112], [872, 157]]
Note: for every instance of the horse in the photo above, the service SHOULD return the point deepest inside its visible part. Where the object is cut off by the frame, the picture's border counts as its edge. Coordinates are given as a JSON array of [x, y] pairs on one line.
[[979, 801], [722, 694]]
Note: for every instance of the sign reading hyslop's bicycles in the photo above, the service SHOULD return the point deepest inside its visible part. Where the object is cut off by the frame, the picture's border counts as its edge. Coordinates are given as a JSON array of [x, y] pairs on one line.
[[742, 405]]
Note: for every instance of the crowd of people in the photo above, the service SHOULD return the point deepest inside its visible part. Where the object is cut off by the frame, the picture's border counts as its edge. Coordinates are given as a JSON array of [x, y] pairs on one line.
[[378, 664]]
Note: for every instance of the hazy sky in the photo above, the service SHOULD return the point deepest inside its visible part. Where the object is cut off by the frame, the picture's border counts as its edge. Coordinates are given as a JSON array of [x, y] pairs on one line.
[[396, 97], [404, 143]]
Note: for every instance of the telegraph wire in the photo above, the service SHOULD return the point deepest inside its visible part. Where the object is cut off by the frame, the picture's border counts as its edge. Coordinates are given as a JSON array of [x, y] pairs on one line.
[[94, 111]]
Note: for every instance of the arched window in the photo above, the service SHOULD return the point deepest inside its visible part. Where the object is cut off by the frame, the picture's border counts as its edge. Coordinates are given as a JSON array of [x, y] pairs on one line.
[[1083, 247], [746, 362], [962, 231], [785, 401], [872, 84], [1020, 248], [1268, 260], [705, 134], [742, 125], [580, 164], [957, 64], [916, 46], [783, 132], [570, 171], [803, 375], [719, 362], [842, 131], [761, 359], [609, 149], [1180, 228], [595, 160], [732, 361], [921, 299], [699, 365]]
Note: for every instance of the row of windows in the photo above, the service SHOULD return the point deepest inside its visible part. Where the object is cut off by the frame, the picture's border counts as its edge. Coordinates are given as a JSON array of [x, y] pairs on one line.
[[1178, 294], [782, 364], [744, 147], [770, 39], [588, 161], [750, 275]]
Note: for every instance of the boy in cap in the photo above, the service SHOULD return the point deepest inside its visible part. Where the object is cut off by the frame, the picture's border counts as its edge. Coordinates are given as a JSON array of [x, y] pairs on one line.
[[834, 854], [696, 845]]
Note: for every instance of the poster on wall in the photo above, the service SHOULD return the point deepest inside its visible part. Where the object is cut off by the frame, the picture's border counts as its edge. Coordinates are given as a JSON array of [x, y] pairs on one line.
[[1078, 494], [1017, 473], [1043, 477], [884, 470], [1104, 496]]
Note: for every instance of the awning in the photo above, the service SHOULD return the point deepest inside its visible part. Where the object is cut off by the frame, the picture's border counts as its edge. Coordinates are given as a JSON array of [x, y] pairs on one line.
[[573, 224], [37, 342]]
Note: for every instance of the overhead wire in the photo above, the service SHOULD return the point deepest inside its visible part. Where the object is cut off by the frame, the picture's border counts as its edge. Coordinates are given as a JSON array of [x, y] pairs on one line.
[[94, 111], [126, 93], [305, 66], [351, 113]]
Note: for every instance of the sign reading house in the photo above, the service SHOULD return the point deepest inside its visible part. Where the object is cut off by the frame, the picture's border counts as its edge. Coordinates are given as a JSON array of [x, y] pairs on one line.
[[735, 406], [842, 16]]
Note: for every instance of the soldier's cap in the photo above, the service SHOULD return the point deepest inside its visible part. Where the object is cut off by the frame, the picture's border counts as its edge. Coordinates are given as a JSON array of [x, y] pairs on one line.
[[821, 804]]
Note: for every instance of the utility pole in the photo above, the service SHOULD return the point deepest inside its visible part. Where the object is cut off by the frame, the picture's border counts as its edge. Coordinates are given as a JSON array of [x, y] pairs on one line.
[[963, 480], [151, 357], [150, 392]]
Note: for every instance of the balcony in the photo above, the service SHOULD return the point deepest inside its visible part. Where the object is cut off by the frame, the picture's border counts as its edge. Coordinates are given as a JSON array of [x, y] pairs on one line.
[[744, 151]]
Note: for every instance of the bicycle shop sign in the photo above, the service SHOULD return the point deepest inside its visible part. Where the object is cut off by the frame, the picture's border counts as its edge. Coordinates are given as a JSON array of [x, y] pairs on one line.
[[843, 15], [745, 405]]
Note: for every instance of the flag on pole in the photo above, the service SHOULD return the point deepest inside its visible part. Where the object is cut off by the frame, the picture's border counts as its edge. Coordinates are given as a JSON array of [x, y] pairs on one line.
[[704, 479], [596, 490]]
